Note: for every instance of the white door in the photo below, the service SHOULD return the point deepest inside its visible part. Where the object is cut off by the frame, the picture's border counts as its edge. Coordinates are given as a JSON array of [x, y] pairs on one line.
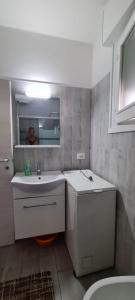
[[6, 167]]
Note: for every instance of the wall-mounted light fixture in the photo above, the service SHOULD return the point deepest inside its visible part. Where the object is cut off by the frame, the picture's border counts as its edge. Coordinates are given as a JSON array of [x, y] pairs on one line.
[[38, 90]]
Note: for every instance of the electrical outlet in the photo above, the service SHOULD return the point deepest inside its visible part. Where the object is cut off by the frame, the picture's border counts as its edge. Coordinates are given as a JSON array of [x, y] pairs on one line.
[[80, 155]]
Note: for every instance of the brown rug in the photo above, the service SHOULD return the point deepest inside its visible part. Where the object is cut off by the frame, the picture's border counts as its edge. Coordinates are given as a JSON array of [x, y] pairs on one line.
[[33, 287]]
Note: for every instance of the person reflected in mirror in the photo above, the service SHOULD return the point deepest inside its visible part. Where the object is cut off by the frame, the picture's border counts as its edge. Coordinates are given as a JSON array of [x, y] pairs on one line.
[[31, 139]]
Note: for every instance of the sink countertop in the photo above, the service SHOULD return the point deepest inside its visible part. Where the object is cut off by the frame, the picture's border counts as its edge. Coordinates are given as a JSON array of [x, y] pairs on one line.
[[21, 174], [34, 179]]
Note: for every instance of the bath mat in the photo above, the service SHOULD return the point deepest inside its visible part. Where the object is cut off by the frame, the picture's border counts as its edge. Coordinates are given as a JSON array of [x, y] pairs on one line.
[[33, 287]]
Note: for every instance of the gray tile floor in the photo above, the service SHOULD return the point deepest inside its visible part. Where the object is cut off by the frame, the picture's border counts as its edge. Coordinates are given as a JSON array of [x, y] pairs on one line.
[[25, 257]]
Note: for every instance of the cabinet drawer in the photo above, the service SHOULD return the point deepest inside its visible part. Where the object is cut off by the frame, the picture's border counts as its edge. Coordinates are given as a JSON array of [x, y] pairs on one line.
[[43, 215]]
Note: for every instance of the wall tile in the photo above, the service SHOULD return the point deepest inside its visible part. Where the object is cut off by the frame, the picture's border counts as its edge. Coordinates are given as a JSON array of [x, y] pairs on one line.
[[75, 135], [112, 156]]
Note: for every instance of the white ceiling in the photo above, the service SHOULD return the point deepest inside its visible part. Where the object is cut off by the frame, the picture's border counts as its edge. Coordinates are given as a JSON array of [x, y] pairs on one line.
[[71, 19]]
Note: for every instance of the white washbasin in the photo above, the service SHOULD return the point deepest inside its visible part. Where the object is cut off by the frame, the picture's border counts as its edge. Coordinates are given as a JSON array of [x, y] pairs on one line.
[[47, 178]]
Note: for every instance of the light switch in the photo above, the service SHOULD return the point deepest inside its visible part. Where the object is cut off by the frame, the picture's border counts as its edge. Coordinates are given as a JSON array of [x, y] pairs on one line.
[[80, 155]]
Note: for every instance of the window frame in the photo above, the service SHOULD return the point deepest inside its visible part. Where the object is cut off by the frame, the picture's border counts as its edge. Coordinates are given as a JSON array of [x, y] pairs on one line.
[[120, 120]]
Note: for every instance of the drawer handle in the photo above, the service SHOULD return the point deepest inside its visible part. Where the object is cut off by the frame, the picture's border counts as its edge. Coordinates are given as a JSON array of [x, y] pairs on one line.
[[39, 205], [4, 160], [98, 191]]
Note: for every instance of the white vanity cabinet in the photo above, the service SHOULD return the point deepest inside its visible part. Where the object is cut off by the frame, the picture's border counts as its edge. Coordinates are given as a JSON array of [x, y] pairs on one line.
[[39, 213]]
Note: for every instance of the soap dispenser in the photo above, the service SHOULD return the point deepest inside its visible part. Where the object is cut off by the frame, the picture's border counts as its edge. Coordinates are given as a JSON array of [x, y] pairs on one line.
[[27, 168]]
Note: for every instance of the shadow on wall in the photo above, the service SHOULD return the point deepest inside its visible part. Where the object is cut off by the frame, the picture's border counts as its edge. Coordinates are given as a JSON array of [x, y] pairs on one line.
[[112, 156]]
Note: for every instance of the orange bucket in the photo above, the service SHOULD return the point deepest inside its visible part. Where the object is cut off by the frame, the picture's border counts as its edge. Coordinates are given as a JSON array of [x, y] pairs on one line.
[[45, 240]]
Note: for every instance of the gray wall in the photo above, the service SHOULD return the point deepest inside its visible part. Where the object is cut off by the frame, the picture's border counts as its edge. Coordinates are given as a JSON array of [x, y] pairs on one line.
[[113, 157], [75, 135]]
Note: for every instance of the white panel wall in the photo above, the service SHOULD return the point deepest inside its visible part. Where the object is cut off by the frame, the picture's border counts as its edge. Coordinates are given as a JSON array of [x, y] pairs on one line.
[[34, 56], [115, 16], [102, 57], [70, 19]]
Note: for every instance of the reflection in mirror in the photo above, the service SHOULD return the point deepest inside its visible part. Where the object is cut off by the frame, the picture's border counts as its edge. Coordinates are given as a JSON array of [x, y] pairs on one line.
[[36, 114]]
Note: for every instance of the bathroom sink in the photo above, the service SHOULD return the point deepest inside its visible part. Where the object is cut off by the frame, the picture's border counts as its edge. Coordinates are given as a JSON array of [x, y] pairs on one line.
[[46, 179]]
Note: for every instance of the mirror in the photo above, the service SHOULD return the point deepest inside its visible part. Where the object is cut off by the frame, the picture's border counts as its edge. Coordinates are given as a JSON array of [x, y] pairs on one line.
[[36, 114]]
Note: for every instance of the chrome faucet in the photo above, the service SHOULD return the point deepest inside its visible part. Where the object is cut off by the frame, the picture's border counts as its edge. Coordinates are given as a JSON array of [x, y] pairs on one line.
[[38, 170]]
